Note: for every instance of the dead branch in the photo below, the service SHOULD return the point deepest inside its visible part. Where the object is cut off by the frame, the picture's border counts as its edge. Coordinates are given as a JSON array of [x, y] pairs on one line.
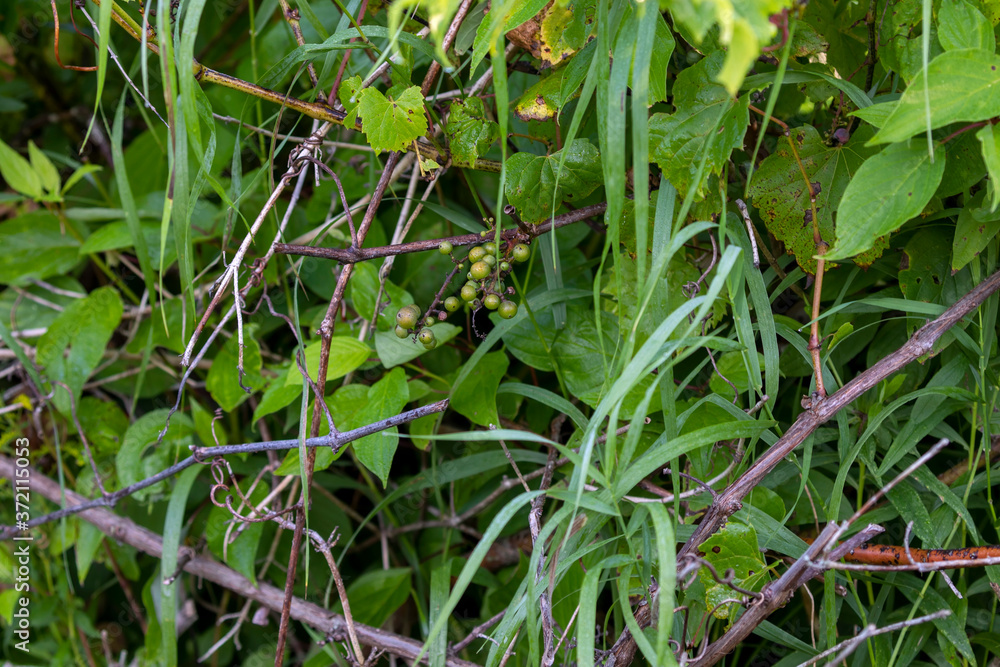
[[126, 531], [354, 255], [336, 441]]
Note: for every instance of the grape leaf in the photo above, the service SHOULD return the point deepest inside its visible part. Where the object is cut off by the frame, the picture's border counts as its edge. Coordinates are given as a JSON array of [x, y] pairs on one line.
[[348, 96], [544, 100], [531, 179], [470, 132], [392, 124], [888, 189], [679, 140], [744, 27], [962, 85], [782, 198], [734, 547]]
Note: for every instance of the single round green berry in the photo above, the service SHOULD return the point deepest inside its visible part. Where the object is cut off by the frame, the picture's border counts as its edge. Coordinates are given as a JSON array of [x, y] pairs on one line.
[[468, 293], [469, 276], [507, 310], [401, 332], [476, 254], [426, 336], [461, 266], [521, 253], [480, 270], [451, 304], [490, 259], [492, 301], [490, 248], [482, 234], [445, 248], [473, 284], [407, 317], [505, 267]]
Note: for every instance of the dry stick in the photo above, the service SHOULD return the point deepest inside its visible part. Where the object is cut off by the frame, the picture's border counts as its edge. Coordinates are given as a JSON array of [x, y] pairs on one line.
[[200, 454], [286, 603], [353, 255], [821, 248], [921, 343], [849, 646], [125, 530], [292, 17], [477, 632], [318, 110], [297, 163]]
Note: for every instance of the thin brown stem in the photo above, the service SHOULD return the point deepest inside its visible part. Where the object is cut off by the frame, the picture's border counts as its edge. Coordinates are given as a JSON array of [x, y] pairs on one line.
[[353, 255]]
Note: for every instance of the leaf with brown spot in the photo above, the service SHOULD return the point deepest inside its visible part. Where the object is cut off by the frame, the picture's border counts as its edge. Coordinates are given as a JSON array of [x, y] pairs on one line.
[[782, 198]]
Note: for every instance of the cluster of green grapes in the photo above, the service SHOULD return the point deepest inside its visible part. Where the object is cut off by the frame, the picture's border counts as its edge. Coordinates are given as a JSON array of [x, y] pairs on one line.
[[406, 319], [484, 287]]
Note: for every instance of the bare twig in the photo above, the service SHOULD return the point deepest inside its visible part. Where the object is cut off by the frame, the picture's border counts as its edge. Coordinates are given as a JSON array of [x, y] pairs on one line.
[[335, 441], [352, 255], [848, 647], [125, 530]]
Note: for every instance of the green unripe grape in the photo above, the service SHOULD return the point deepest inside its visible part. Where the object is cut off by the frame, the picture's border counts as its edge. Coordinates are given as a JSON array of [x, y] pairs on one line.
[[492, 301], [490, 248], [451, 304], [507, 310], [415, 308], [476, 254], [461, 266], [479, 270], [469, 293], [401, 332], [521, 253], [490, 259], [473, 284], [445, 248], [407, 317], [426, 336], [469, 276], [482, 234], [505, 267]]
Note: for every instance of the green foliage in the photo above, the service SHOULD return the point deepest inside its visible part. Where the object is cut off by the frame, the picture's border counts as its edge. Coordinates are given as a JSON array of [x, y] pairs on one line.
[[534, 182], [784, 192]]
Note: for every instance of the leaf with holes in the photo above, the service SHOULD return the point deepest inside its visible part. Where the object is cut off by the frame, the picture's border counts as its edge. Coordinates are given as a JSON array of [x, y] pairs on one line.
[[470, 132], [531, 179], [889, 189], [735, 548], [392, 124], [678, 141], [780, 194]]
